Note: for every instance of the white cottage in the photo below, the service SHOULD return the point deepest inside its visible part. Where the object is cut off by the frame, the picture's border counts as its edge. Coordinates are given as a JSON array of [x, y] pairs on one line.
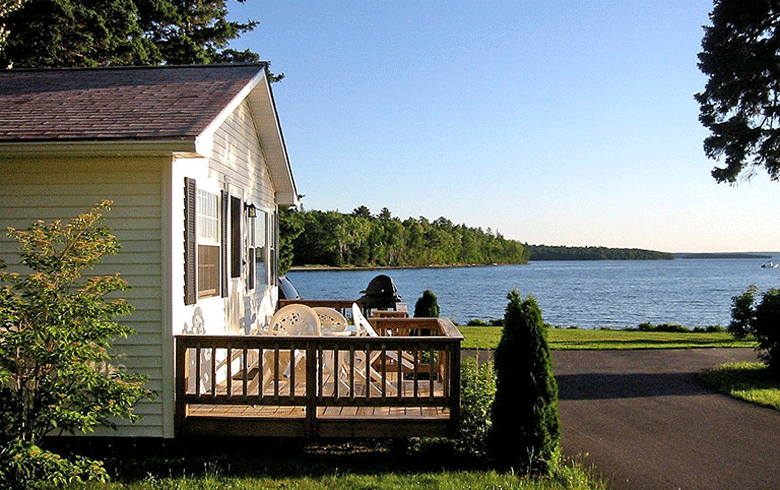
[[195, 162]]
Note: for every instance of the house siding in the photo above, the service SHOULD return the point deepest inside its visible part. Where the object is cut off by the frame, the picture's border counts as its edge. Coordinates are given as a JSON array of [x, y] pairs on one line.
[[237, 155], [61, 189], [237, 165]]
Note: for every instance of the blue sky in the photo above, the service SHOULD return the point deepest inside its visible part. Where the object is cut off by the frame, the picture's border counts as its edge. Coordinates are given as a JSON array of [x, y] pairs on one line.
[[553, 122]]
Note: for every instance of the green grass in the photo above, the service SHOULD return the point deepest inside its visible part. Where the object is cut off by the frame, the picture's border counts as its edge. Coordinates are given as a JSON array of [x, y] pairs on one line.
[[569, 479], [372, 470], [572, 339], [749, 381]]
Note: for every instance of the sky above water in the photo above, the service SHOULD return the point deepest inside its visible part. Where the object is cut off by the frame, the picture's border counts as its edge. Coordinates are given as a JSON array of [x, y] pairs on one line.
[[551, 122]]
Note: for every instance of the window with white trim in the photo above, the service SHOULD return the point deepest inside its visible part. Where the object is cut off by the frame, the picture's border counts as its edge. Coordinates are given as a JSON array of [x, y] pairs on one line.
[[208, 240]]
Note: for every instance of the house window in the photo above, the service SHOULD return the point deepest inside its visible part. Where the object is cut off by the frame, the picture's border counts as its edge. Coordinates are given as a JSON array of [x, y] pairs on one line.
[[261, 249], [250, 252], [274, 247], [208, 240]]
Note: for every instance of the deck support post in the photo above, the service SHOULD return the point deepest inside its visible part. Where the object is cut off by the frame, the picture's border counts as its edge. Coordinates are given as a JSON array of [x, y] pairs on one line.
[[180, 406]]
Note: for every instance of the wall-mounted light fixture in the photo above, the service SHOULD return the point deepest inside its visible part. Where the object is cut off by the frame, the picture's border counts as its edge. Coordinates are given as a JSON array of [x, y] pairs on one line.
[[251, 210]]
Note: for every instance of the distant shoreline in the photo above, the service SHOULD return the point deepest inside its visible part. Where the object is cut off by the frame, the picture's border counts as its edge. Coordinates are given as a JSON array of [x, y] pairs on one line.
[[725, 255], [682, 256]]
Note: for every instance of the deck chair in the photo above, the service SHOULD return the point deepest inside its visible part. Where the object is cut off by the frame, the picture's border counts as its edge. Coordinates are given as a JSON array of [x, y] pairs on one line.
[[291, 320], [365, 329], [331, 321]]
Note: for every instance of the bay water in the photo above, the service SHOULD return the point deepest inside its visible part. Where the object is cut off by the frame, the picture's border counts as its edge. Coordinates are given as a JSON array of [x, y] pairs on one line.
[[585, 294]]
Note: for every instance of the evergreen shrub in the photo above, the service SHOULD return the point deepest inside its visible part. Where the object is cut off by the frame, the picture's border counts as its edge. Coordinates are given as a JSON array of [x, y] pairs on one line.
[[525, 435], [762, 321], [427, 306]]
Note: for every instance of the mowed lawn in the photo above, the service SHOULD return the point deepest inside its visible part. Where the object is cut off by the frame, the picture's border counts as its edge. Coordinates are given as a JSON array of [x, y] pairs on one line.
[[571, 339]]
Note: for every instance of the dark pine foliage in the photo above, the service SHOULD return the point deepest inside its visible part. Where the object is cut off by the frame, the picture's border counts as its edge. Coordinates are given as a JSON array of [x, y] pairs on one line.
[[427, 305], [526, 427], [761, 320]]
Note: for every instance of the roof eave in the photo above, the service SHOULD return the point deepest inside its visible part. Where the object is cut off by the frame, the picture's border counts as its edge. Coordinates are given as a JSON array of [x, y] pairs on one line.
[[97, 148]]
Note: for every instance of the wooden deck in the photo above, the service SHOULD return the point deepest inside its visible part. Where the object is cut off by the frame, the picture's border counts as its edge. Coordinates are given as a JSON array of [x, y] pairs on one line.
[[405, 383]]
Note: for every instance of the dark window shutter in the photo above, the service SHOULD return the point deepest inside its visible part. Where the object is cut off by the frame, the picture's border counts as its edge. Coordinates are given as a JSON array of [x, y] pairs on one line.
[[223, 223], [236, 255], [190, 241]]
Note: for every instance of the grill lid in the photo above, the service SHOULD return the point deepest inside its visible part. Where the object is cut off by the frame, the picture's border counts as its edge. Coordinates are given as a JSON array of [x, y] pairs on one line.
[[380, 293]]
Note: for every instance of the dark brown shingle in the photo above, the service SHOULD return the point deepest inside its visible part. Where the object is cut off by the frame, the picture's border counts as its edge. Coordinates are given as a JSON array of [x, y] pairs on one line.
[[116, 103]]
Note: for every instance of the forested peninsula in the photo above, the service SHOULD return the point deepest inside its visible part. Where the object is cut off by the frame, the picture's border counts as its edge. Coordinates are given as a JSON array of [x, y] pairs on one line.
[[546, 252], [362, 239]]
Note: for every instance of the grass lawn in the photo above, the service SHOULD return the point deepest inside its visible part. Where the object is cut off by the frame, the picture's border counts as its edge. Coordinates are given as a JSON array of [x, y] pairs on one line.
[[571, 339], [749, 381], [374, 469], [570, 480]]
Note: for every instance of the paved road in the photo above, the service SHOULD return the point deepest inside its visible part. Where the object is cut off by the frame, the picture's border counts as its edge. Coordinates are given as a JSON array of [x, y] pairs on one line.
[[645, 423]]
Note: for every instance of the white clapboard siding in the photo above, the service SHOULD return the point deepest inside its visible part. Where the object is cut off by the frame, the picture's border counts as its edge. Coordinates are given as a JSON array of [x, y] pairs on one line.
[[237, 154], [62, 189]]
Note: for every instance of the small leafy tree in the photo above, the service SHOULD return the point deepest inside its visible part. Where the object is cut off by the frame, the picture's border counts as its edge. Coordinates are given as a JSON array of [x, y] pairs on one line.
[[762, 321], [478, 389], [427, 306], [56, 330], [526, 427]]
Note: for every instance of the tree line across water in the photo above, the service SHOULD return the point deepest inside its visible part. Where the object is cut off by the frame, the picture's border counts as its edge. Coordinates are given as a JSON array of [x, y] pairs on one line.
[[359, 238], [337, 239]]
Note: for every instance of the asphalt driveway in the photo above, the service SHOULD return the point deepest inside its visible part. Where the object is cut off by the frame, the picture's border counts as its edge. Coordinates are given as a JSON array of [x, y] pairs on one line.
[[644, 422]]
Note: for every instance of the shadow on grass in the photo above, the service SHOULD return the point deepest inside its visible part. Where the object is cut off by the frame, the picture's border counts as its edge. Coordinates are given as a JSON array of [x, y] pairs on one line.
[[643, 344], [133, 460]]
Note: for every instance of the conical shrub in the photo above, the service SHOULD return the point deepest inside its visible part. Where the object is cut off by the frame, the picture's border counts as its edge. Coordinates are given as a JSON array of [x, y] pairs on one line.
[[526, 433], [427, 306]]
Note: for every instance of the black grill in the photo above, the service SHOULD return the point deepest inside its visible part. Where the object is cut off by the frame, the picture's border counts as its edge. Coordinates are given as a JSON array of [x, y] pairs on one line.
[[381, 293]]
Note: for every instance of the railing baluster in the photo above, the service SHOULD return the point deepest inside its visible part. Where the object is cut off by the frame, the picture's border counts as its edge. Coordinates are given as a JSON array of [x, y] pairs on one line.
[[197, 370], [336, 371], [229, 371], [352, 372], [291, 379], [245, 365], [368, 371], [446, 381], [431, 371], [213, 372], [399, 368], [320, 375], [276, 371], [414, 376], [384, 372], [260, 375]]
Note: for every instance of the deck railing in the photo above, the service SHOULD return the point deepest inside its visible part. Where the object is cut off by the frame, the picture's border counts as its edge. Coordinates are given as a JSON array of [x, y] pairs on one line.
[[413, 363]]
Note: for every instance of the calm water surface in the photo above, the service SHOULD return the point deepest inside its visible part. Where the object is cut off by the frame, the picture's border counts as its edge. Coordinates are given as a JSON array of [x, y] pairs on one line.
[[587, 294]]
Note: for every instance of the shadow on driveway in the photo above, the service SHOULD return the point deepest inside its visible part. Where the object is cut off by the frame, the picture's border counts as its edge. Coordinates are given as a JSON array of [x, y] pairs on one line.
[[601, 386]]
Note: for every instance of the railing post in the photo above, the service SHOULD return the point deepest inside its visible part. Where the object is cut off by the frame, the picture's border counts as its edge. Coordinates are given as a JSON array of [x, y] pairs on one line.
[[311, 390], [454, 388], [180, 413]]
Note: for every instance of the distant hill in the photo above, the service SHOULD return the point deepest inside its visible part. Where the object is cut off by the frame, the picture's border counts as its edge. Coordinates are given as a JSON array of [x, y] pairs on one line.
[[546, 252], [726, 255]]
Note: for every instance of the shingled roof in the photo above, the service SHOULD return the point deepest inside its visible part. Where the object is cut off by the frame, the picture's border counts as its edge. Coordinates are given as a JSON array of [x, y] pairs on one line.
[[117, 103], [152, 111]]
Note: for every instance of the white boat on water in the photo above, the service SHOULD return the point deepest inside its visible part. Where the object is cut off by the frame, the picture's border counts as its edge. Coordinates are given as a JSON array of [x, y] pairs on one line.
[[769, 265]]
